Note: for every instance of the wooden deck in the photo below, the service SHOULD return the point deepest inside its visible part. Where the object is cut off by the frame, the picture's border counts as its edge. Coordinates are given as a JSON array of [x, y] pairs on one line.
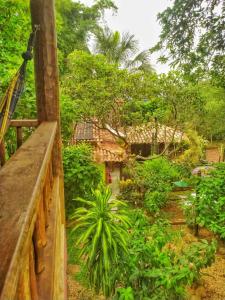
[[32, 231]]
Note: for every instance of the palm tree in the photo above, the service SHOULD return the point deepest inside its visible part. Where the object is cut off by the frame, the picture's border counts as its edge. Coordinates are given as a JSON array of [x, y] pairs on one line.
[[122, 50], [102, 225]]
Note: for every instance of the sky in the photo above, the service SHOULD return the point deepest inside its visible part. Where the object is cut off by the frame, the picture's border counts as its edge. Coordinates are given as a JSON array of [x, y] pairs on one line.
[[138, 17]]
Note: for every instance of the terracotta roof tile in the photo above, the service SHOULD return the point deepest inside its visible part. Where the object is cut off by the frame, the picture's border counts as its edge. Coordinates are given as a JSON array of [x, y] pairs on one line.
[[109, 152], [144, 134]]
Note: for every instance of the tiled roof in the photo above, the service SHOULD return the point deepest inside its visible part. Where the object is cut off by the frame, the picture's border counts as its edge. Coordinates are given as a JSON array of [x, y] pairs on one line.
[[109, 152], [135, 135], [106, 147], [89, 132], [144, 134], [84, 131]]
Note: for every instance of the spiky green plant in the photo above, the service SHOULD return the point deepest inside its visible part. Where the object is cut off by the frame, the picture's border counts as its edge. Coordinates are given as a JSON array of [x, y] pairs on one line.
[[102, 224]]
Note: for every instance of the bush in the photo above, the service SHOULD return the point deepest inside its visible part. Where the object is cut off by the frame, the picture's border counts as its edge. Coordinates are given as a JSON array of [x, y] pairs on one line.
[[81, 174], [210, 201], [155, 200], [157, 174], [129, 192], [156, 177]]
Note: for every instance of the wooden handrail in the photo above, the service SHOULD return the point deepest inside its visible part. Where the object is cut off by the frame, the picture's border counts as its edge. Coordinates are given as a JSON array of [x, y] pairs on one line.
[[26, 187], [24, 123]]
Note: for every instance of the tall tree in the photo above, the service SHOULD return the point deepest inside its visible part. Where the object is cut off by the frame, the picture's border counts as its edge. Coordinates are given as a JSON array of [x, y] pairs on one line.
[[100, 90], [193, 36], [121, 49], [76, 21]]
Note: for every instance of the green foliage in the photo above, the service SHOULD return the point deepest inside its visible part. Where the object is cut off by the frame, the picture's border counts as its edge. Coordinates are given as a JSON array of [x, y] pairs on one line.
[[194, 153], [154, 200], [14, 33], [181, 100], [210, 125], [124, 294], [156, 176], [15, 29], [129, 192], [121, 50], [81, 175], [190, 212], [210, 202], [157, 268], [76, 21], [103, 223], [156, 172], [191, 34], [69, 117], [91, 81]]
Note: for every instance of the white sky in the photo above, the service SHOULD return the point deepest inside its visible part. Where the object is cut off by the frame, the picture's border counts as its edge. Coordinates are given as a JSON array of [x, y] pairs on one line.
[[139, 17]]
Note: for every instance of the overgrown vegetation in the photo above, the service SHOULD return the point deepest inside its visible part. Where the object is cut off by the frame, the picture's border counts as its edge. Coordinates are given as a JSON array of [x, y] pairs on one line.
[[81, 174], [158, 265], [206, 207], [150, 183]]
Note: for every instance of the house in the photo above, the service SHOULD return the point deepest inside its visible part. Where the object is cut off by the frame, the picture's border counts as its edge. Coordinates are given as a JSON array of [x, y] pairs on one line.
[[214, 153], [107, 149]]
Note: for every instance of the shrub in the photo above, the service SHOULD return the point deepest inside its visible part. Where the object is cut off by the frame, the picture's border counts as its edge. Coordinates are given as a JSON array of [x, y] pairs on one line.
[[155, 200], [129, 192], [156, 177], [210, 202], [81, 174], [157, 174], [124, 294]]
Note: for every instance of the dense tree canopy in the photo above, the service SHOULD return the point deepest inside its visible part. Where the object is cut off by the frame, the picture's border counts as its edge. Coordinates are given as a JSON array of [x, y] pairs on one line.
[[75, 23], [193, 34], [102, 91]]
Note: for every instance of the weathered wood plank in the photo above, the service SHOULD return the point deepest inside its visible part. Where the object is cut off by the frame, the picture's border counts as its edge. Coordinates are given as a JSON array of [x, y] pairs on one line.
[[21, 181], [24, 291], [46, 279]]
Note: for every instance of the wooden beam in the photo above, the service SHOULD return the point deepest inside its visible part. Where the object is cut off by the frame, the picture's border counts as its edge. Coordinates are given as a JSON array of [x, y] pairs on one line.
[[24, 123]]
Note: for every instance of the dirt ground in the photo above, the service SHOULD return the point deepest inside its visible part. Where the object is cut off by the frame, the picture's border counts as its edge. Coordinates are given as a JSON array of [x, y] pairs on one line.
[[75, 290]]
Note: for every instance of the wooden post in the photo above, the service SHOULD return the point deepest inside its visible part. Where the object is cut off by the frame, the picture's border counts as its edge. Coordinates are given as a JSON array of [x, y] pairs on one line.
[[19, 136], [47, 95], [2, 153], [46, 70]]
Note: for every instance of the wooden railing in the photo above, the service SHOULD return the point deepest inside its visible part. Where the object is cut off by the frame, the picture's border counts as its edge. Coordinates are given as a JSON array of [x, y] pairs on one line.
[[19, 124], [32, 231]]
